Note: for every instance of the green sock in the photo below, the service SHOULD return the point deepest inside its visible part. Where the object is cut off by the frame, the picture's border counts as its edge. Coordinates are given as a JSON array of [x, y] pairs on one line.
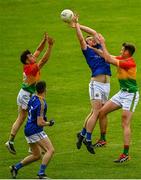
[[126, 149], [103, 136]]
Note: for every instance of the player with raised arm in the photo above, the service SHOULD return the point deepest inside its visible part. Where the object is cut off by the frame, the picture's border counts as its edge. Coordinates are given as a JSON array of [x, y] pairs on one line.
[[128, 96], [35, 136], [31, 74], [99, 86]]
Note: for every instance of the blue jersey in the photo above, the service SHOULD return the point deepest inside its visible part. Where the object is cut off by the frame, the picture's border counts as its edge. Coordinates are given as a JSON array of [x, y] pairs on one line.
[[96, 63], [36, 107]]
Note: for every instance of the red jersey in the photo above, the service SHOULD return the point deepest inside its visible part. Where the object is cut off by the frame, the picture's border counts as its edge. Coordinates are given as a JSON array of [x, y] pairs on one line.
[[127, 74], [31, 75]]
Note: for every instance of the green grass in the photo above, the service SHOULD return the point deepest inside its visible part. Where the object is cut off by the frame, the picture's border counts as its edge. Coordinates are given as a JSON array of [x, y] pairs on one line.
[[22, 24]]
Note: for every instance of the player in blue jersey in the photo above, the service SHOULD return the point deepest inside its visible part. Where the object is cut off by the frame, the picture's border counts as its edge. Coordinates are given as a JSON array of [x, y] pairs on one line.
[[34, 133], [99, 86]]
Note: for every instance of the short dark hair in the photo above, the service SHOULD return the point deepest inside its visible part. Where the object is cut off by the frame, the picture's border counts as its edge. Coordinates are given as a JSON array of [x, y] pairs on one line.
[[130, 47], [41, 86], [24, 56]]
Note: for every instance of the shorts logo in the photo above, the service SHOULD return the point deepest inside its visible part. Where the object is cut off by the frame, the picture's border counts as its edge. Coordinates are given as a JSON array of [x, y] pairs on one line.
[[96, 95]]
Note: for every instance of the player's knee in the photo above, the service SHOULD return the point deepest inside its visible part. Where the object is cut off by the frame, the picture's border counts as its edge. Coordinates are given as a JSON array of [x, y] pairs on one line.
[[101, 114], [52, 150], [125, 125]]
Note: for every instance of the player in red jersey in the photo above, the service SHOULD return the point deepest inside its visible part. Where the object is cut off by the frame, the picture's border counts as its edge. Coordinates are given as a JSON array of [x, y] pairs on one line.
[[128, 96], [31, 74]]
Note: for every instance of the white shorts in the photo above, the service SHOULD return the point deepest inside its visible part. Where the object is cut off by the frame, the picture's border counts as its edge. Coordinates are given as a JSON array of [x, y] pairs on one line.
[[128, 101], [23, 99], [98, 90], [36, 137]]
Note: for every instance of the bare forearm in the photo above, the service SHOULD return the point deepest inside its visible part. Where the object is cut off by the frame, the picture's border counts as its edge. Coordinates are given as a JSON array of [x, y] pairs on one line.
[[80, 36], [41, 45], [105, 52], [43, 123], [78, 32], [107, 56], [46, 123], [45, 57], [47, 54], [88, 30], [98, 51]]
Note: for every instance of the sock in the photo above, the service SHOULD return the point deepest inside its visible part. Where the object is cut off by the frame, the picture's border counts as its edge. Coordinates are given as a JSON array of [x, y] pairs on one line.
[[126, 149], [12, 137], [103, 136], [83, 132], [88, 136], [42, 169], [18, 165]]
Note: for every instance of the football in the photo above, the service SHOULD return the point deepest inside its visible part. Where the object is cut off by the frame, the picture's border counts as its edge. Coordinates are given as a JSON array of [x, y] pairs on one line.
[[67, 15]]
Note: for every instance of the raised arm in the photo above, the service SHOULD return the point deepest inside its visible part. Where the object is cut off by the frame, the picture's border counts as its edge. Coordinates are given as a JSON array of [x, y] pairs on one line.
[[98, 51], [107, 56], [46, 55], [40, 46], [79, 34], [90, 31], [80, 37]]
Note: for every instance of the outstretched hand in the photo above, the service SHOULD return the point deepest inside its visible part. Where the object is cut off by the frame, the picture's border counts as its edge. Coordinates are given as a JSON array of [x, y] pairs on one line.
[[45, 36], [74, 20], [50, 40]]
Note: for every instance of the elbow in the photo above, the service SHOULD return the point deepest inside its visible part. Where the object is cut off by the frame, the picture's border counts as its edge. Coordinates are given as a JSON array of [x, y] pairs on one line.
[[95, 34], [40, 124]]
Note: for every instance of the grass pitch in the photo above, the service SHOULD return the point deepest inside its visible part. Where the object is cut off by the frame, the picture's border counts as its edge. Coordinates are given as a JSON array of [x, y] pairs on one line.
[[22, 24]]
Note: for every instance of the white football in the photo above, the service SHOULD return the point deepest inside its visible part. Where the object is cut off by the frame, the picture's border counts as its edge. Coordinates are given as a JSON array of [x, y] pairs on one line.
[[67, 15]]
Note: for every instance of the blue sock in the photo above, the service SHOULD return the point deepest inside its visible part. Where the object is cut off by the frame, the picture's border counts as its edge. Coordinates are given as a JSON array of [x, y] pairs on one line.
[[42, 169], [18, 166], [88, 136], [83, 132]]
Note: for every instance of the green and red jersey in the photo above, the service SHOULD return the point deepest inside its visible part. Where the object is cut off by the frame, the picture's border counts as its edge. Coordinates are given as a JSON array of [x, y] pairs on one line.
[[126, 73], [31, 75]]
